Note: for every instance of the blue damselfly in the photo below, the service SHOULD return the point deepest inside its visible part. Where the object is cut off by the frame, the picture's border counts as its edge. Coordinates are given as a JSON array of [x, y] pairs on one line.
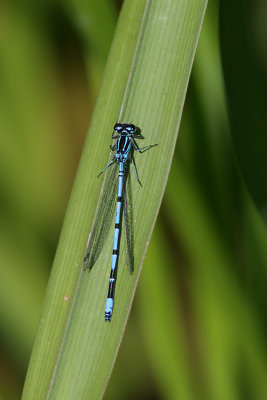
[[125, 134]]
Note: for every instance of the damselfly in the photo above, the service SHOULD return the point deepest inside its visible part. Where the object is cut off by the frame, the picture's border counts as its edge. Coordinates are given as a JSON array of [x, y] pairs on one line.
[[125, 134]]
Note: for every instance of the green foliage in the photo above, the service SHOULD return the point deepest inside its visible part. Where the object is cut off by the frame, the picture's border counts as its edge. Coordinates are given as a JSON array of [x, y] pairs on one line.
[[77, 361], [198, 326], [246, 85]]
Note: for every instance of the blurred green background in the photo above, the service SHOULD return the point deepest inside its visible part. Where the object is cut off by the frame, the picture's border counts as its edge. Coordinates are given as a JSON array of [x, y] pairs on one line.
[[206, 269]]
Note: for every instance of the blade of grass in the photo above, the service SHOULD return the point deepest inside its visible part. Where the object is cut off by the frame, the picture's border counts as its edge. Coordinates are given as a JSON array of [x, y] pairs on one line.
[[245, 82], [145, 83]]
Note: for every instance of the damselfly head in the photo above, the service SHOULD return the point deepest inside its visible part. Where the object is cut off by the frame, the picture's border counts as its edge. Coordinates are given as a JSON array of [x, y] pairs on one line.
[[129, 128]]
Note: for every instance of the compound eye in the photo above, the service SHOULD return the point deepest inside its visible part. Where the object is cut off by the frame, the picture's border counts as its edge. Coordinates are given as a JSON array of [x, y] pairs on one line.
[[131, 128], [117, 127]]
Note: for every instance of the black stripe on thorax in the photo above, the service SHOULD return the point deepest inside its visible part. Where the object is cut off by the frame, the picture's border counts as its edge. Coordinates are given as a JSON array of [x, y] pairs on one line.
[[121, 143]]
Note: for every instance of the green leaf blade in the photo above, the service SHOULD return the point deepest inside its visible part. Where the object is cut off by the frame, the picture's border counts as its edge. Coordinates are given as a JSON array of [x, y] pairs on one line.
[[145, 83]]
